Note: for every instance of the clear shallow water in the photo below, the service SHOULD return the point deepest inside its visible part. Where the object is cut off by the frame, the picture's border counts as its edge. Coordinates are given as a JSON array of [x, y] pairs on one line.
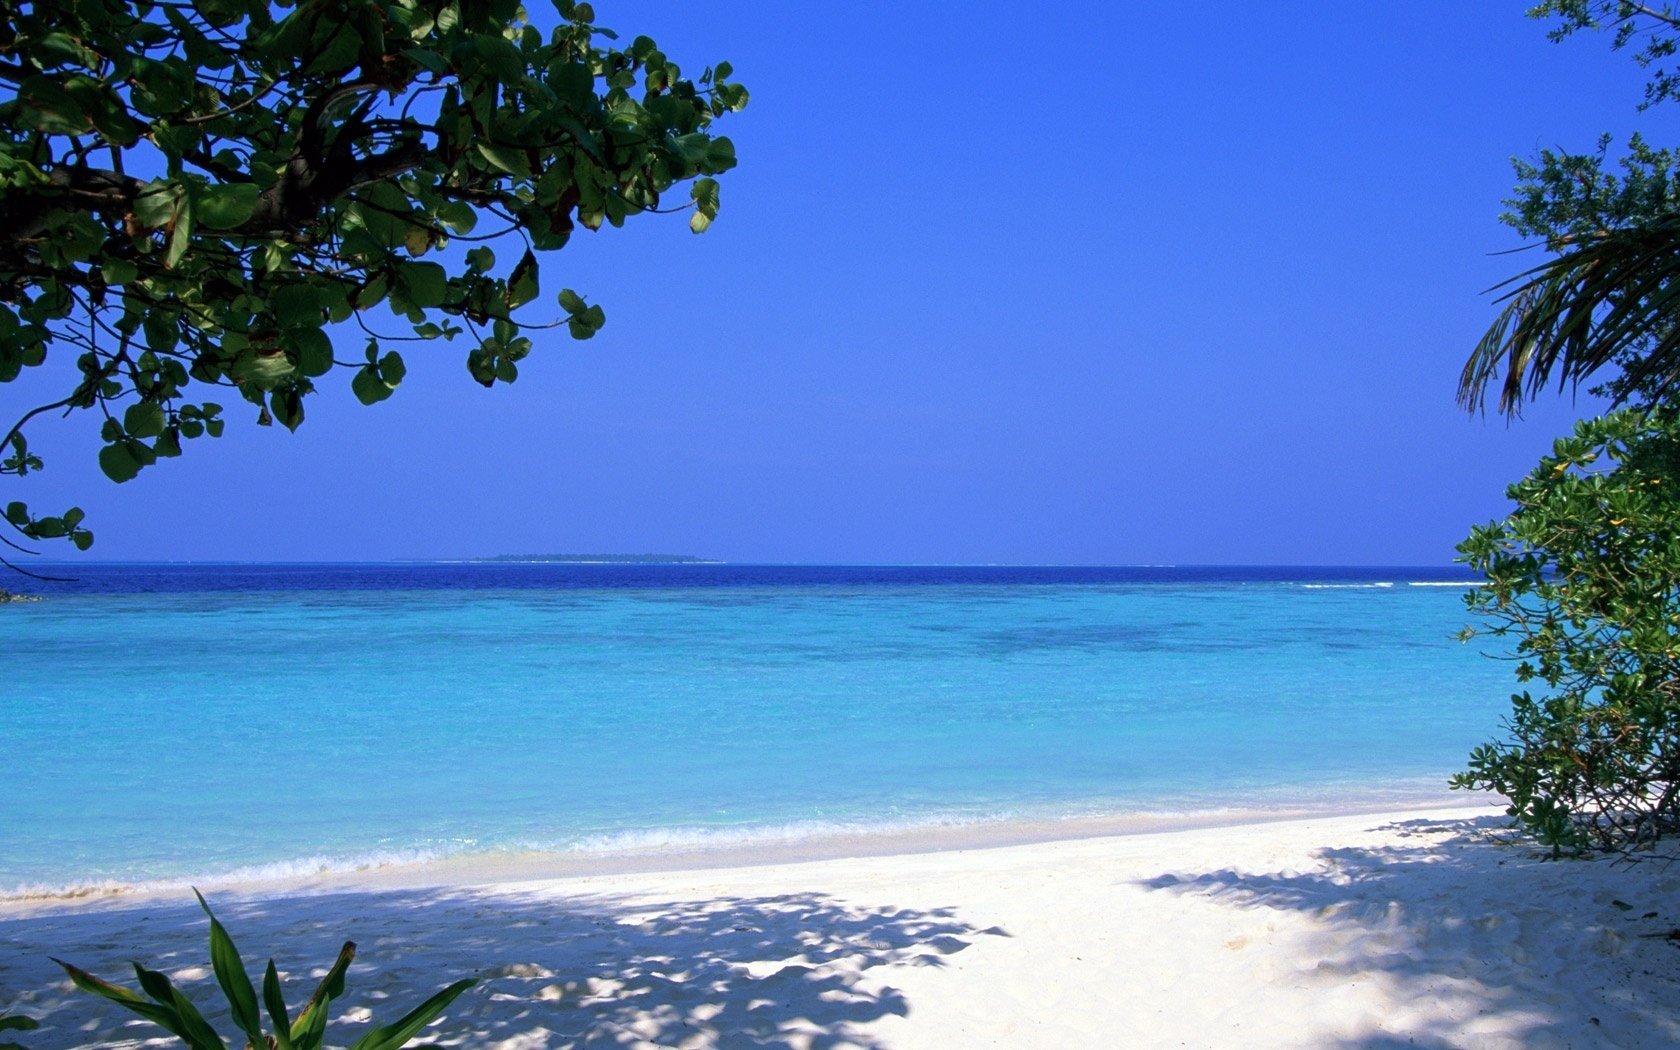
[[167, 722]]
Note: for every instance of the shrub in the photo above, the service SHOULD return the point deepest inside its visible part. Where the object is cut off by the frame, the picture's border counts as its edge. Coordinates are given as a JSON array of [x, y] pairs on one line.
[[174, 1012], [1585, 575]]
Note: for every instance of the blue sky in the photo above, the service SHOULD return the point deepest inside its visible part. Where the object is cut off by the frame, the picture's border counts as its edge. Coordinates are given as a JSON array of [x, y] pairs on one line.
[[1056, 283]]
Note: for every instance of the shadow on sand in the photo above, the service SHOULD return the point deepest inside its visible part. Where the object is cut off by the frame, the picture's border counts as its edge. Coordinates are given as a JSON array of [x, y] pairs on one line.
[[1475, 934], [786, 972]]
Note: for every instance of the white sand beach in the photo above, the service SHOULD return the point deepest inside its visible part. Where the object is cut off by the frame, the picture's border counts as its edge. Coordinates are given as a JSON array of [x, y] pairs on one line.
[[1426, 928]]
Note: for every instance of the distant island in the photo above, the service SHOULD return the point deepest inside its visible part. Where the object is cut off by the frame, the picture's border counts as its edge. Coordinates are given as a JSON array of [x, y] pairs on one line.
[[611, 559]]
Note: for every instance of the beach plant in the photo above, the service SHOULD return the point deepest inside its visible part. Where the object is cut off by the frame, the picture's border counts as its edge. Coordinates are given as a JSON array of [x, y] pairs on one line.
[[16, 1023], [1584, 576], [164, 1004], [1604, 301], [194, 193]]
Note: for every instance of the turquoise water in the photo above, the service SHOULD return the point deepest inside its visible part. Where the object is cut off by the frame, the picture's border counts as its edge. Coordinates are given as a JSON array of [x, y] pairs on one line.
[[171, 724]]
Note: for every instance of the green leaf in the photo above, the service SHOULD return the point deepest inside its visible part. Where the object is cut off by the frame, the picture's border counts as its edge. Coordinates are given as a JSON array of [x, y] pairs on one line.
[[155, 985], [394, 1036], [501, 56], [570, 301], [296, 306], [573, 82], [313, 350], [230, 974], [584, 324], [144, 420], [368, 387], [180, 236], [430, 61], [336, 48], [118, 271], [704, 193], [505, 159], [275, 1003], [391, 369], [199, 1032], [481, 365], [155, 204], [288, 407], [720, 154], [307, 1029], [164, 1017], [48, 528], [82, 538], [225, 207], [49, 108], [18, 1023], [118, 462], [426, 284], [264, 369], [57, 48], [522, 283], [458, 216]]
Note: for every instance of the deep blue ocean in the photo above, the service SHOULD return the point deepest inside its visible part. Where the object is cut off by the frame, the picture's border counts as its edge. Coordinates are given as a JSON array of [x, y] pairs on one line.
[[177, 722]]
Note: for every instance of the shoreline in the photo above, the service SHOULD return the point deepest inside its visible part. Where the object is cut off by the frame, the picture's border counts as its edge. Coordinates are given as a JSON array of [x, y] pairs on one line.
[[1419, 926], [752, 847]]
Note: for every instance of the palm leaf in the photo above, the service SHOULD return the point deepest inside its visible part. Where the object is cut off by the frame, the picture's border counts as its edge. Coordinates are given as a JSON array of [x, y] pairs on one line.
[[1610, 299]]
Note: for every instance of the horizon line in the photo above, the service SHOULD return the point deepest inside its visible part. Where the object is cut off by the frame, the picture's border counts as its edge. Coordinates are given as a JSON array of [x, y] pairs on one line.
[[756, 564]]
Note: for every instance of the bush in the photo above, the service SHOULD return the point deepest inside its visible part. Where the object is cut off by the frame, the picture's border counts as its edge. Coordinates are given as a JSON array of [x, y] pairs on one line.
[[1585, 575], [174, 1012]]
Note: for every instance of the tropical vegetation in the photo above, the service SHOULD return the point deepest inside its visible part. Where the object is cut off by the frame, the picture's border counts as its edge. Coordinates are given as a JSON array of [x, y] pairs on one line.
[[1584, 575], [166, 1006], [197, 196], [207, 200], [1604, 301]]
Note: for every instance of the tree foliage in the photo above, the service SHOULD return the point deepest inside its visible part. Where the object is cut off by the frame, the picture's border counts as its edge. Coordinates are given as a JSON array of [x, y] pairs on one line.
[[1585, 575], [193, 193], [1606, 299]]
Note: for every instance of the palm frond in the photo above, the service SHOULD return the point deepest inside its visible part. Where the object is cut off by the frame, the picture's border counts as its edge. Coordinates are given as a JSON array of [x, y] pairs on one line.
[[1612, 299]]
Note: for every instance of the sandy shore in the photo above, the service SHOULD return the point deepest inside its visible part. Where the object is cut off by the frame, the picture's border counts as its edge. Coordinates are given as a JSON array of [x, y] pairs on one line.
[[1421, 928]]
